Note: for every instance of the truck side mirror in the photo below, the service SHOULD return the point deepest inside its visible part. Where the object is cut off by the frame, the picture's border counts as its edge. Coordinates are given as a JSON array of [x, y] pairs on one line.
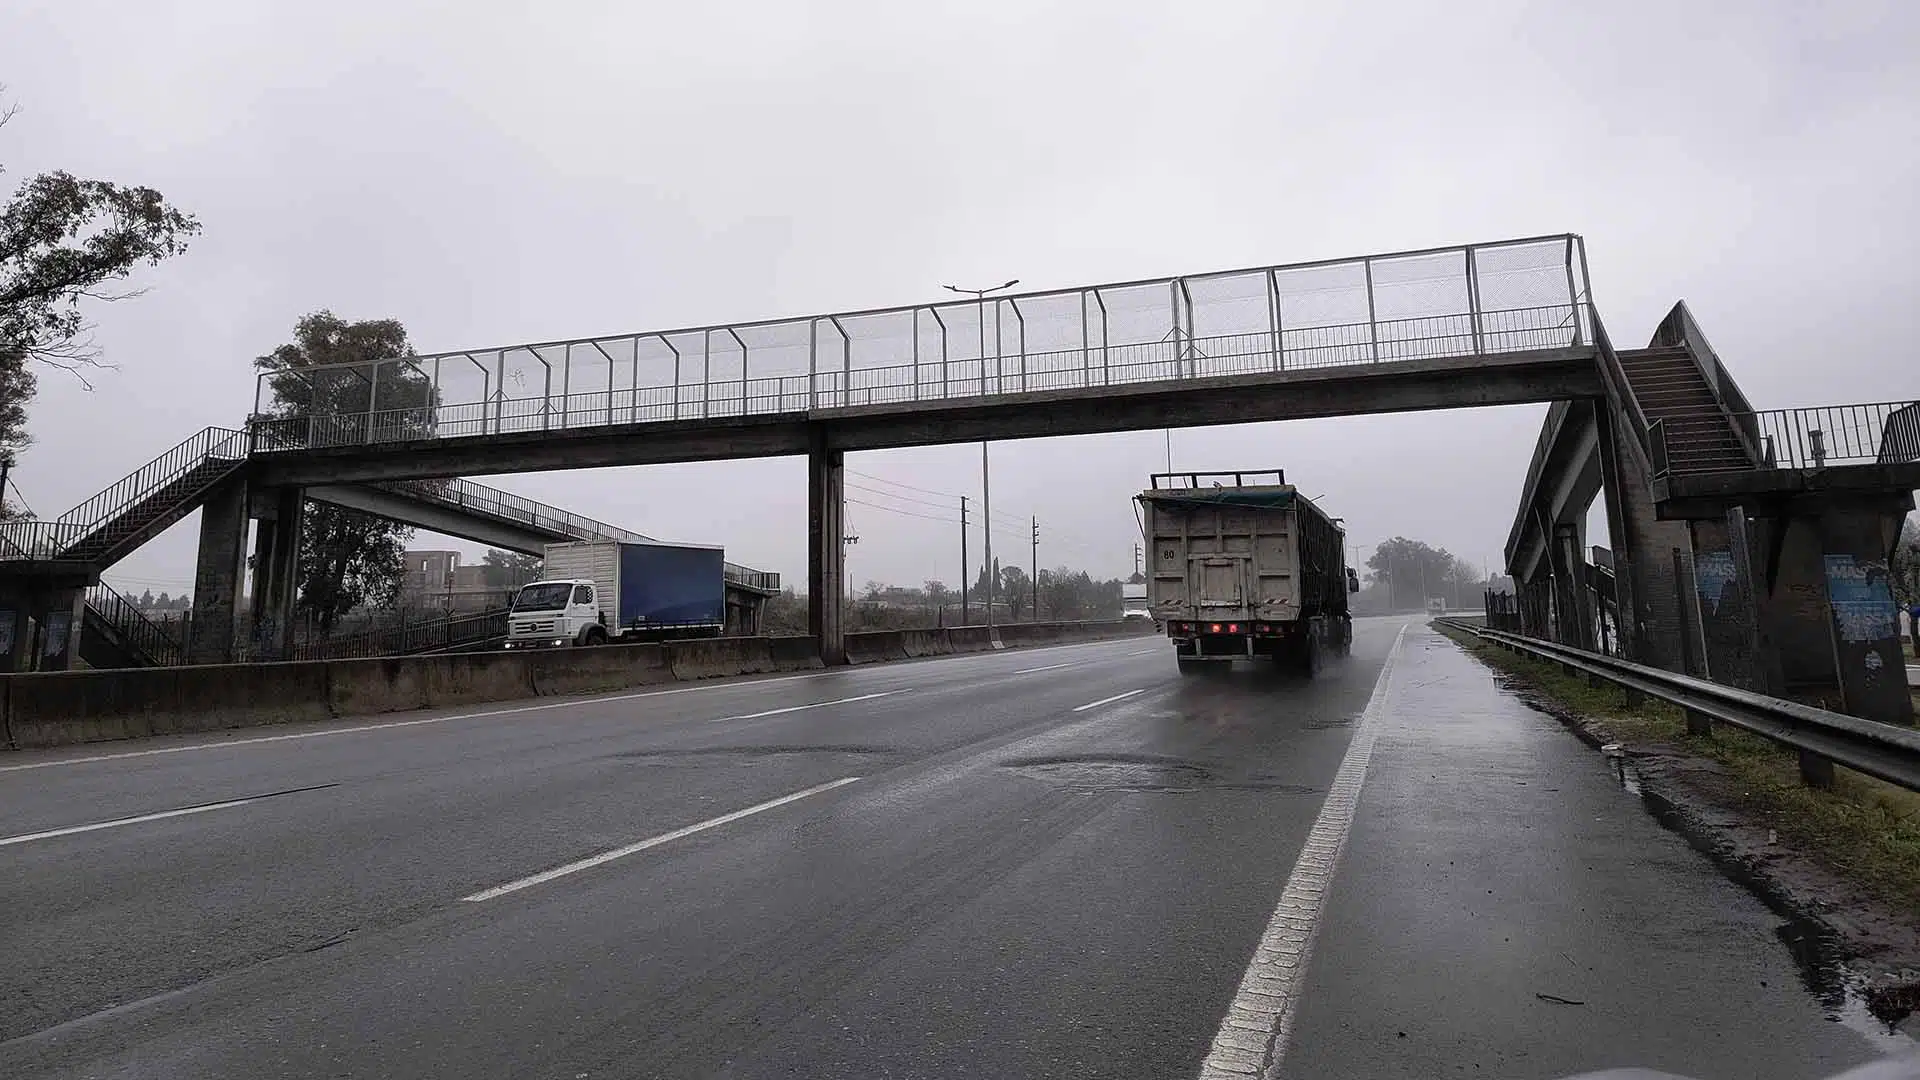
[[1353, 580]]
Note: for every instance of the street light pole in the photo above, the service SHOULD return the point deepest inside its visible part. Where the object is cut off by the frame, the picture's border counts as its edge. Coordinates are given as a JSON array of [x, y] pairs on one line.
[[986, 482]]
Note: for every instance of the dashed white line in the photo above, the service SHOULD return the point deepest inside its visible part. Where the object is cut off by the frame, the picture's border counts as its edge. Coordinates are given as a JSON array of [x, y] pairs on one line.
[[652, 842], [1049, 667], [1108, 700], [812, 705], [70, 830], [1253, 1037]]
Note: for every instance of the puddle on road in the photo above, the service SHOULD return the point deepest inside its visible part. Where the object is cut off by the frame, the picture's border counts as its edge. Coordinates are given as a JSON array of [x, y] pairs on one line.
[[1145, 773], [1816, 951]]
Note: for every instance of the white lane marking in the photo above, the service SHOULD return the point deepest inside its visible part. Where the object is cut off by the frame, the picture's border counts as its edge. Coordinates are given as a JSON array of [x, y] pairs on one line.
[[652, 842], [225, 804], [1253, 1036], [1081, 663], [813, 705], [563, 703], [1108, 700]]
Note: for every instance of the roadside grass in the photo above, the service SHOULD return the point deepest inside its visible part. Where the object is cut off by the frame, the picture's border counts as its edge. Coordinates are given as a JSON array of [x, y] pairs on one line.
[[1864, 829]]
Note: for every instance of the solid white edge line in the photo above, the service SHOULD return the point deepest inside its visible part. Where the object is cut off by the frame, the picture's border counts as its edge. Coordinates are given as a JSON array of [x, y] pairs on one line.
[[652, 841], [812, 705], [116, 823], [1108, 700], [563, 703], [1253, 1037]]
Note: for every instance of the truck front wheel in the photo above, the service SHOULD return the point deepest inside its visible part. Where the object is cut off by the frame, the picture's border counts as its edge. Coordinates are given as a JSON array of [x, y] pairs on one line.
[[595, 635]]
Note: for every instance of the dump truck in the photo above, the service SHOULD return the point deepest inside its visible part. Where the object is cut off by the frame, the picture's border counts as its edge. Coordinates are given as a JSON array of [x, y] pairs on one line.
[[1243, 566], [592, 592]]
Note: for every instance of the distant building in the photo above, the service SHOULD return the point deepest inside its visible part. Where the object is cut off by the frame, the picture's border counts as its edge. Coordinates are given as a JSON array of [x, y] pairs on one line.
[[438, 580]]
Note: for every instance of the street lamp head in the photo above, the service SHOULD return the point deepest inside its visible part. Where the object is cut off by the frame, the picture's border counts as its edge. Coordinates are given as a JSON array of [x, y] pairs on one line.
[[1011, 284]]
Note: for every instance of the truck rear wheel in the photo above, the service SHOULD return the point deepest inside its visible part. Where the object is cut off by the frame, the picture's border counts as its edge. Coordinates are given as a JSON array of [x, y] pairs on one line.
[[1309, 655], [1190, 665]]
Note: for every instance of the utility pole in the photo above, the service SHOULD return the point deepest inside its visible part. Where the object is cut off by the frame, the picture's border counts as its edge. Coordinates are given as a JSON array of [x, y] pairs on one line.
[[986, 494], [1036, 571], [966, 570]]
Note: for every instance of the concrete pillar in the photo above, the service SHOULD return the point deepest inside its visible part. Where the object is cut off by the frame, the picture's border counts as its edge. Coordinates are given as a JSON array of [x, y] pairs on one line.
[[1728, 633], [1570, 594], [276, 570], [217, 574], [826, 548], [1642, 549], [16, 632], [1865, 621], [40, 624]]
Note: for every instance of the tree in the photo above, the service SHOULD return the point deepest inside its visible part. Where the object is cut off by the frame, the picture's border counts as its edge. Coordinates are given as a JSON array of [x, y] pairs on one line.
[[348, 558], [508, 570], [146, 599], [1015, 589], [61, 240]]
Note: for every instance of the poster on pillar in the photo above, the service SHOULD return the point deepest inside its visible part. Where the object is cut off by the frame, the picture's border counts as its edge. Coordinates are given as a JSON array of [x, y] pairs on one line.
[[1862, 598], [1713, 578], [59, 628]]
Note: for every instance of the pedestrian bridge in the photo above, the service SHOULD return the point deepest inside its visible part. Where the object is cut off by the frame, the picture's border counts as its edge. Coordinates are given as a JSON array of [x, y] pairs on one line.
[[1478, 324]]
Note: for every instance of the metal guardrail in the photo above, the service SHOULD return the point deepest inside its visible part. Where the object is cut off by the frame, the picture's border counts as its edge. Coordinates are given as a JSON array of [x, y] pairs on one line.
[[1468, 301], [1822, 738]]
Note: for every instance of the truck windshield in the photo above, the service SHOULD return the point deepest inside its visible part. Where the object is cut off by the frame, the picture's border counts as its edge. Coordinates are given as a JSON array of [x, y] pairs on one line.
[[542, 596]]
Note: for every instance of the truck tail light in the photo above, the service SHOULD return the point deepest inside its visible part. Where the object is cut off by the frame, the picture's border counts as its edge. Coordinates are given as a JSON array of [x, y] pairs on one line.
[[1233, 628], [1216, 628]]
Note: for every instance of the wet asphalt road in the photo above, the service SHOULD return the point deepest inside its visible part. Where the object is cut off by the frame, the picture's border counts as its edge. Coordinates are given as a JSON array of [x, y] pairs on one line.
[[1039, 863]]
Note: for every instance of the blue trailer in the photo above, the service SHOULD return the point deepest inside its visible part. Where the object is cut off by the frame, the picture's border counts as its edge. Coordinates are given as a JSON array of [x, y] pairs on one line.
[[596, 591]]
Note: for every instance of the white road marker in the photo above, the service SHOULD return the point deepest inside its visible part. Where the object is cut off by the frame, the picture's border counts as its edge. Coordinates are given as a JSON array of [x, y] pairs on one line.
[[1108, 700], [813, 705], [1259, 1021], [226, 804], [1049, 667], [652, 842]]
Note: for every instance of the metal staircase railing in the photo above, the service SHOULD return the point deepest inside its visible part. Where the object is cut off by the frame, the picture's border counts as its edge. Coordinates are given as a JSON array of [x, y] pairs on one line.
[[140, 634], [109, 515]]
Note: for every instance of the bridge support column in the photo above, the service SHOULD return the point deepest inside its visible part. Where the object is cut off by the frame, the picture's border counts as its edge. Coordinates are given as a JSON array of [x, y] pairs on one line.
[[276, 566], [40, 625], [826, 546], [1642, 546], [217, 574], [1570, 593]]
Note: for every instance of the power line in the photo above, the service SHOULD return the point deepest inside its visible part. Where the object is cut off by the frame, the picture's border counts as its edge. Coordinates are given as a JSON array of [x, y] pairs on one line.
[[906, 513], [902, 498], [898, 484]]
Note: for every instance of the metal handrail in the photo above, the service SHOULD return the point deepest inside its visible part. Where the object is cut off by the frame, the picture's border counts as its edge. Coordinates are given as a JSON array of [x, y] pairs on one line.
[[467, 495], [1884, 751], [449, 631], [160, 648], [225, 444], [1093, 365]]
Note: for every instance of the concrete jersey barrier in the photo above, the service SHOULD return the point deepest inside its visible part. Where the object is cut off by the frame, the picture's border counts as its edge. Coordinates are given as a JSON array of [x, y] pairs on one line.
[[43, 709]]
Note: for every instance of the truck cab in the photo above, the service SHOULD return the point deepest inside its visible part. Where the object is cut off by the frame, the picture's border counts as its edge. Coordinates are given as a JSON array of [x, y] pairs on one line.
[[1436, 606], [562, 612]]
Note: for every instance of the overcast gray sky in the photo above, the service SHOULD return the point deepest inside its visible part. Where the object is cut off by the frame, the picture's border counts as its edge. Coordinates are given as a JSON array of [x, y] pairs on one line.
[[493, 173]]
